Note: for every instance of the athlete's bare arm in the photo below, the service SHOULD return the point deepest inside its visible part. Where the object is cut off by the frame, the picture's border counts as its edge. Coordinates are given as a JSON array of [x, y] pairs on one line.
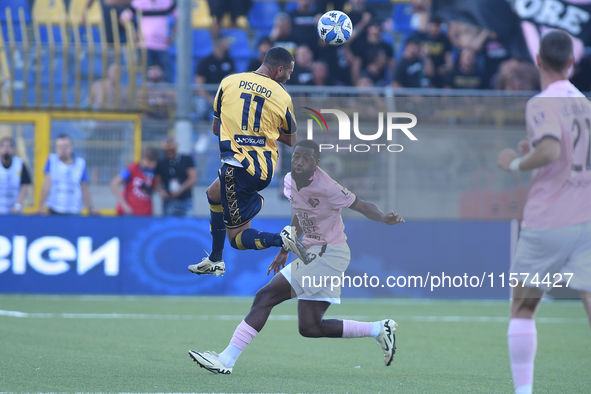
[[288, 140], [372, 212], [544, 153]]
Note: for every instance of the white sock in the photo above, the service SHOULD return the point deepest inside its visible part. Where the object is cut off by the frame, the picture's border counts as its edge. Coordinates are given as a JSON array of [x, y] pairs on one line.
[[525, 389], [376, 328], [230, 355]]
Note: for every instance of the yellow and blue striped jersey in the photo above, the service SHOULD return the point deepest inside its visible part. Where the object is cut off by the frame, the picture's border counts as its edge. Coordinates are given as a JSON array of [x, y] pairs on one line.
[[251, 107]]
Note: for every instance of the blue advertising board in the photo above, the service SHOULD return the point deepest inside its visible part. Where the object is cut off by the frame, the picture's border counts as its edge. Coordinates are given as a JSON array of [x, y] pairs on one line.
[[138, 255]]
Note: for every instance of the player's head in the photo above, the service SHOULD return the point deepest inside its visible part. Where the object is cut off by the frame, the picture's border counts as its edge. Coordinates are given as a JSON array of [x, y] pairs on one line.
[[64, 147], [6, 148], [170, 147], [556, 52], [149, 158], [304, 160], [434, 26], [280, 64]]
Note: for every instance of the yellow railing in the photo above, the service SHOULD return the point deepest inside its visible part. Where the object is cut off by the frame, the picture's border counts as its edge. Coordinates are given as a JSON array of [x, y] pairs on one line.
[[69, 29]]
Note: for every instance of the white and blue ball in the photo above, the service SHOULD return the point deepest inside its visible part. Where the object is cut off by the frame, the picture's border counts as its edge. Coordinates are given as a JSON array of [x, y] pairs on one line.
[[335, 28]]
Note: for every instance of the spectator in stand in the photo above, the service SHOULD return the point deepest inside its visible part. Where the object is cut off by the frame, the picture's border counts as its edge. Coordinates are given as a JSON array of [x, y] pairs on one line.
[[485, 42], [320, 74], [213, 68], [322, 6], [65, 187], [409, 69], [137, 180], [174, 179], [263, 46], [515, 75], [302, 72], [466, 74], [236, 9], [438, 53], [364, 46], [107, 86], [156, 31], [376, 66], [107, 5], [582, 74], [282, 34], [339, 59], [14, 179], [360, 17], [304, 24]]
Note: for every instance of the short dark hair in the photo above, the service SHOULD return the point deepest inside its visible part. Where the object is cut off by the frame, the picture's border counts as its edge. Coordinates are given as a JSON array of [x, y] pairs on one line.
[[150, 153], [62, 136], [264, 40], [309, 144], [7, 139], [556, 50], [278, 56]]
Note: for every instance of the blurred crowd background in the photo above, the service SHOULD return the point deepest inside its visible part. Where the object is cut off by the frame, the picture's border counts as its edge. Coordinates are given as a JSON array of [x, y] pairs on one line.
[[113, 65]]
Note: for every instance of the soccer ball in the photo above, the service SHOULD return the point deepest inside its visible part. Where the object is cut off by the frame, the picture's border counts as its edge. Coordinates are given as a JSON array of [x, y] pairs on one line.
[[335, 28]]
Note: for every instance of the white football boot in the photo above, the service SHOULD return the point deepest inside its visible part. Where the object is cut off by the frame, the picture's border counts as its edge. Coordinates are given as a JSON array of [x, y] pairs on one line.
[[210, 361], [291, 243], [387, 340], [206, 266]]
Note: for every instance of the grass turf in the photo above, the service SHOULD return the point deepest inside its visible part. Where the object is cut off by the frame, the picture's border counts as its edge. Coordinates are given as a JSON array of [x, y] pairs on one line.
[[144, 348]]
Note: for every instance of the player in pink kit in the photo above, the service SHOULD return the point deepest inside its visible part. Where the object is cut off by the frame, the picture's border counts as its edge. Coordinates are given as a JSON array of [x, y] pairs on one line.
[[317, 201], [555, 239]]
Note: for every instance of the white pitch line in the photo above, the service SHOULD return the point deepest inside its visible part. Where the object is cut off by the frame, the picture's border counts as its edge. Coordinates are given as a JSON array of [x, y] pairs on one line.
[[123, 316]]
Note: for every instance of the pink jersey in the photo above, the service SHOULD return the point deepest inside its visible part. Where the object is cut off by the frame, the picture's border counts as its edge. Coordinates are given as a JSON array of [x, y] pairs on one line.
[[318, 207], [155, 27], [561, 191]]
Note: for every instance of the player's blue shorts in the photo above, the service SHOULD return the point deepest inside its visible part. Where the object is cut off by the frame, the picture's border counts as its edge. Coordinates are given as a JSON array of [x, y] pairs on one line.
[[240, 198]]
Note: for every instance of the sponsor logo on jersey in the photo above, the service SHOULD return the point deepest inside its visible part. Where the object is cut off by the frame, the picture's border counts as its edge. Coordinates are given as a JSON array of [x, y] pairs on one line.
[[250, 140]]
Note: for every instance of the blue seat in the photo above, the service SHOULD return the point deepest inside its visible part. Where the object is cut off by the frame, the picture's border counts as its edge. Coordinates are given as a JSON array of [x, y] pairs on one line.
[[262, 14], [86, 65], [18, 37], [239, 43], [58, 65], [291, 6], [44, 33], [241, 65], [202, 43], [401, 15], [14, 5], [94, 35]]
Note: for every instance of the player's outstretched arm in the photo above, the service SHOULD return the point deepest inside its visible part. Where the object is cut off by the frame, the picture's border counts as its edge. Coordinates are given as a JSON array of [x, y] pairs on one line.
[[544, 153], [371, 211]]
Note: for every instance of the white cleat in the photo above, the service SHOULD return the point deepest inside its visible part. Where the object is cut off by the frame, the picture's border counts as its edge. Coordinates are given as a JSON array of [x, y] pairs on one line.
[[387, 340], [210, 361], [206, 266], [291, 243]]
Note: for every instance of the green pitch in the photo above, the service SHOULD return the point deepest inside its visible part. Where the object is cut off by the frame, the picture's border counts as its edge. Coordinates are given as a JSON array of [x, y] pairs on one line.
[[139, 344]]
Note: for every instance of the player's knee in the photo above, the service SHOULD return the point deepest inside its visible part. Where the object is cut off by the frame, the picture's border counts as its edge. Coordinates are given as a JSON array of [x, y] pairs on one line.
[[236, 244]]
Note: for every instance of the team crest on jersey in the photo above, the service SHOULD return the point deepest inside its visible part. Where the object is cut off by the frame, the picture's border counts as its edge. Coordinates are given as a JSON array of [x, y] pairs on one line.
[[314, 202]]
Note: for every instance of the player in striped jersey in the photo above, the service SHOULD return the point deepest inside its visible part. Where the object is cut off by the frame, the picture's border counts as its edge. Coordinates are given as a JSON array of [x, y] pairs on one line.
[[252, 111]]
